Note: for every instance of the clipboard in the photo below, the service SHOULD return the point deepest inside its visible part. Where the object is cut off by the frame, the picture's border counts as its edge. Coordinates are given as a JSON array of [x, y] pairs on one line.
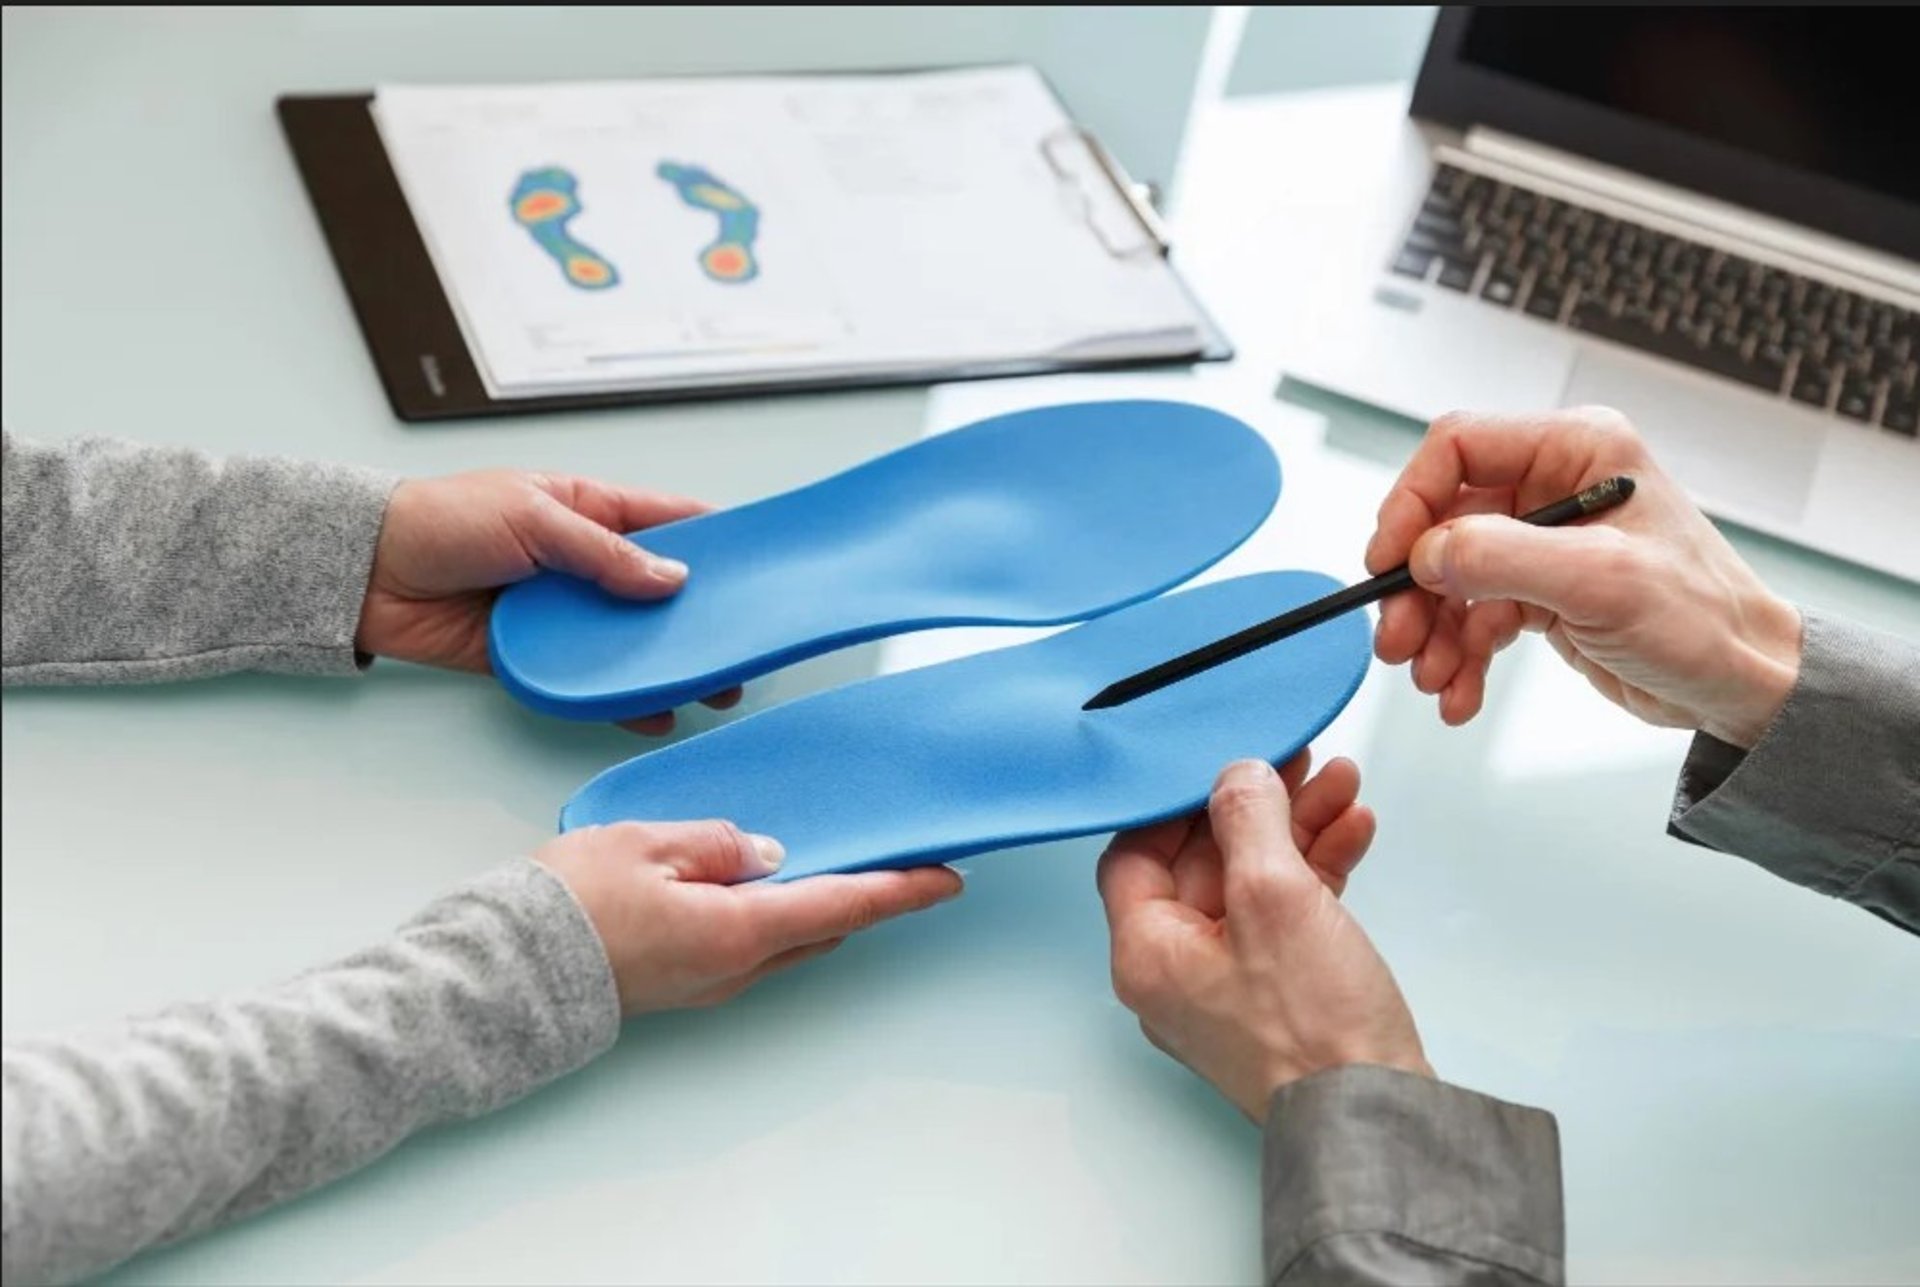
[[420, 351]]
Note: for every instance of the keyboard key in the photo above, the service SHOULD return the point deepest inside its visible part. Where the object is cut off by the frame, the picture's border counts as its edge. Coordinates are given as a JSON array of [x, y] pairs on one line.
[[1457, 274], [1638, 316], [1430, 242], [1812, 385], [1503, 285], [1698, 330], [1544, 302], [1902, 415], [1857, 396], [1768, 373], [1413, 262]]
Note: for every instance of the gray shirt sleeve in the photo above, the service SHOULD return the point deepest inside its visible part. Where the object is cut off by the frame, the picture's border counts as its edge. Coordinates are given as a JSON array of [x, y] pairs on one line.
[[1829, 797], [135, 1134], [1379, 1176], [124, 563], [1373, 1175]]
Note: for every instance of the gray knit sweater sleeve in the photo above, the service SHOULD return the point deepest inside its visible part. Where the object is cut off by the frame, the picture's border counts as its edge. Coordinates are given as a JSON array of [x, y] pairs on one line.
[[125, 563], [141, 1132], [122, 564]]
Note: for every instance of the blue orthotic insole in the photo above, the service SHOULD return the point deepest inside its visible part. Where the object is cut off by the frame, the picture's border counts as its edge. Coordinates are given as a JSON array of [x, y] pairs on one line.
[[993, 750], [1034, 518]]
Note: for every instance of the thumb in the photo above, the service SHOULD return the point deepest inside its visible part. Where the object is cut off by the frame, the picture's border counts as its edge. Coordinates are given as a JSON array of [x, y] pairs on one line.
[[1577, 572], [568, 542], [711, 852], [1251, 819]]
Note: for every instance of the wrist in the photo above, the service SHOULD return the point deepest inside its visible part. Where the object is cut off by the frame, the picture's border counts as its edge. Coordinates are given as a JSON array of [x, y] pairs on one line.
[[369, 632], [1764, 663], [1287, 1071], [587, 883], [367, 643]]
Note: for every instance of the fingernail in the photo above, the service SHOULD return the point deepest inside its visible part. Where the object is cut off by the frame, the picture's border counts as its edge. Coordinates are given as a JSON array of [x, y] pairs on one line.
[[769, 851], [671, 569], [1242, 768], [959, 888], [1429, 560]]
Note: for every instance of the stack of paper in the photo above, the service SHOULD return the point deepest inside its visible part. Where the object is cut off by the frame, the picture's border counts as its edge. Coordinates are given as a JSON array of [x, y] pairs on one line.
[[732, 231]]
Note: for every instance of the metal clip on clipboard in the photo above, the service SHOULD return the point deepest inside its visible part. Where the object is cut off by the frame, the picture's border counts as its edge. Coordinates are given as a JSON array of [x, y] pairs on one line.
[[1083, 165]]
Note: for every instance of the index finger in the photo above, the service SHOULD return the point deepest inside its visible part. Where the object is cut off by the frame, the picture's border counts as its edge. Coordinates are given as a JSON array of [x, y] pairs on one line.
[[1137, 868], [1531, 454], [622, 508], [833, 906], [1252, 823]]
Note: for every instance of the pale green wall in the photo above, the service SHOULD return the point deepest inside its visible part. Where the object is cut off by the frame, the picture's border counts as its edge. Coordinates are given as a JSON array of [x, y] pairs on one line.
[[1309, 46], [1126, 71]]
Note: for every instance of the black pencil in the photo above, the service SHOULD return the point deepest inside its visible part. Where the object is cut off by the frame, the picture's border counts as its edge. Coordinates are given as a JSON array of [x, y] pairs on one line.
[[1594, 500]]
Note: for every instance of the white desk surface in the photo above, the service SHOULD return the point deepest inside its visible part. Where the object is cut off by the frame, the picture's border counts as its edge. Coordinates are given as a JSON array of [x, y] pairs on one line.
[[956, 1098]]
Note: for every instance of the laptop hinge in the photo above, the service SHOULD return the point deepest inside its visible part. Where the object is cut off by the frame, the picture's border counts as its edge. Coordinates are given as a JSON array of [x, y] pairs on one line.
[[1676, 211]]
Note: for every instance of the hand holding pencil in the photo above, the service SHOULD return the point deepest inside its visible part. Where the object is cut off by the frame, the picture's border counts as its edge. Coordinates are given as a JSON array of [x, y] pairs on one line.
[[1651, 604]]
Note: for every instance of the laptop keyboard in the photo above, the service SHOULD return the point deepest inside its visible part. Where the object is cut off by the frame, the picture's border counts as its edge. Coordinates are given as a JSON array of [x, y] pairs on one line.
[[1792, 336]]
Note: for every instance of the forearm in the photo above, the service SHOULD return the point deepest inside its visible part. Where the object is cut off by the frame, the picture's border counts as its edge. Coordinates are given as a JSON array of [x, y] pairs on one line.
[[1829, 797], [125, 563], [120, 1139], [1379, 1176]]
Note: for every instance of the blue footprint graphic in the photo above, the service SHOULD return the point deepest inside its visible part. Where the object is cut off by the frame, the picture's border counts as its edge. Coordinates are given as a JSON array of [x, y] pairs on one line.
[[729, 256], [542, 203]]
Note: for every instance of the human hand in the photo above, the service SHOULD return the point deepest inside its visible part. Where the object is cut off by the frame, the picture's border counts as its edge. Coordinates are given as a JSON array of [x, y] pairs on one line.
[[449, 544], [1651, 604], [679, 933], [1231, 945]]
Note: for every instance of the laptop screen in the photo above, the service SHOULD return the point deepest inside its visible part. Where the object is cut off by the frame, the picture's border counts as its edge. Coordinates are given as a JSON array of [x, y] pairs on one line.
[[1828, 90], [1807, 113]]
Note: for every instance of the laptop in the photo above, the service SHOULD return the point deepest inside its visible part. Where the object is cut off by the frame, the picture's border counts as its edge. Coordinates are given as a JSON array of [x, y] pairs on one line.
[[1707, 218]]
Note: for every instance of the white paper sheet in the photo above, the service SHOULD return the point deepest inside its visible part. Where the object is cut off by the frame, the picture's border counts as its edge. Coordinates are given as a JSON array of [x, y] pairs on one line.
[[897, 221]]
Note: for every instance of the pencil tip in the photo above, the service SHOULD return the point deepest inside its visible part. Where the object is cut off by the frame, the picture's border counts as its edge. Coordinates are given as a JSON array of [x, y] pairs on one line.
[[1625, 484]]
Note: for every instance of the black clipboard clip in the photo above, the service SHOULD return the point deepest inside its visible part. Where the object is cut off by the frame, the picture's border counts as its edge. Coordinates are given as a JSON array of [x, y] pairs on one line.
[[1082, 164]]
